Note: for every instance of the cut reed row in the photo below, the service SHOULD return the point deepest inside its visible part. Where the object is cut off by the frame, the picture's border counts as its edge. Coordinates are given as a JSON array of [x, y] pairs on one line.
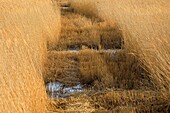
[[62, 67], [78, 31], [100, 69], [25, 27]]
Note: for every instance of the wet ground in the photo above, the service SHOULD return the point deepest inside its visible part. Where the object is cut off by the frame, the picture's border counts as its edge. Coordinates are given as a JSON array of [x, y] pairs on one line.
[[59, 90], [103, 50]]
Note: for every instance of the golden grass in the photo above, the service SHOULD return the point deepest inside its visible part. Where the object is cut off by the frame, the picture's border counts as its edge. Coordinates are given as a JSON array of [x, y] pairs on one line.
[[93, 9], [25, 27], [80, 104], [130, 72], [110, 37], [78, 31], [53, 35], [152, 39], [120, 101], [63, 67], [145, 26], [86, 7], [99, 69], [132, 101]]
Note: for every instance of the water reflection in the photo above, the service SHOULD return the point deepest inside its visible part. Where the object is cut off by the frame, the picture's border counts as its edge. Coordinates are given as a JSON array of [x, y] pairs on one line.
[[73, 50], [59, 90]]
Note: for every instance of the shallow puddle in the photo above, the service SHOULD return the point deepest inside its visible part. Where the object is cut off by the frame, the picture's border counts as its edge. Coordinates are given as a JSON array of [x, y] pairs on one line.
[[73, 50], [58, 90]]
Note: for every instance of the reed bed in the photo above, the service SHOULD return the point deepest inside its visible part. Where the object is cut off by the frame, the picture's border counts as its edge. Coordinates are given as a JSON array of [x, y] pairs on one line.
[[145, 27], [117, 101], [152, 39], [80, 104], [135, 79], [78, 31], [98, 69], [25, 27], [62, 67], [132, 101]]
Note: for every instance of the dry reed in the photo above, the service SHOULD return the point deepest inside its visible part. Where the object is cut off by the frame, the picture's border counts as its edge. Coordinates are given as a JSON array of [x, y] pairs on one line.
[[78, 31], [78, 104], [24, 29], [99, 69], [132, 101], [63, 67], [117, 101], [145, 26]]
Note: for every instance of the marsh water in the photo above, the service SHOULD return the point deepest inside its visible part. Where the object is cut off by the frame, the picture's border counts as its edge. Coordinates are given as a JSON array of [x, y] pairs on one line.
[[59, 90]]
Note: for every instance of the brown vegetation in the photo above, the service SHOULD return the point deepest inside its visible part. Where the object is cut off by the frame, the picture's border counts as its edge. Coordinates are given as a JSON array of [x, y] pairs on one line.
[[78, 31], [136, 74], [63, 67], [145, 26], [117, 101], [152, 41], [25, 26], [132, 77], [97, 68], [133, 101]]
